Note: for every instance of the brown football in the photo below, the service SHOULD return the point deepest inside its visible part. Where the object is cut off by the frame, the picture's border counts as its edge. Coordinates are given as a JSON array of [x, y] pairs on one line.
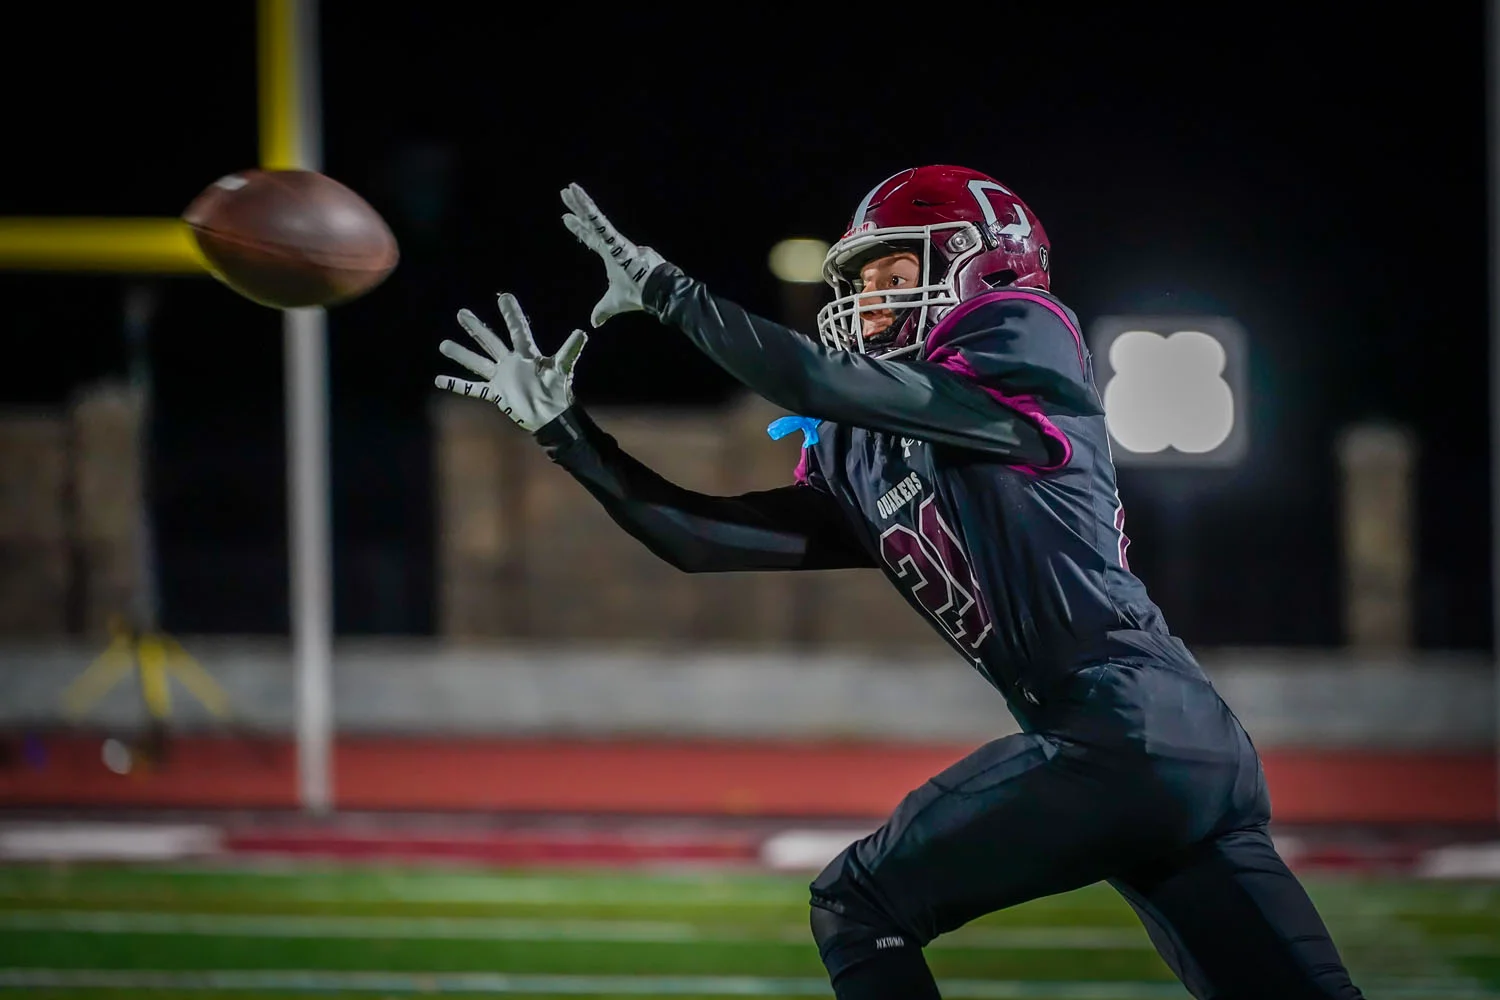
[[291, 238]]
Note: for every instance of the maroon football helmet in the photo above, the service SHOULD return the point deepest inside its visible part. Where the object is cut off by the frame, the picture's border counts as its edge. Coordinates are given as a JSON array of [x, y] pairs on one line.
[[971, 234]]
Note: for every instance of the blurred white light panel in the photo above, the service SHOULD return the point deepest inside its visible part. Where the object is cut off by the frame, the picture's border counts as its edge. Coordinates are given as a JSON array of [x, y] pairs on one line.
[[1174, 388]]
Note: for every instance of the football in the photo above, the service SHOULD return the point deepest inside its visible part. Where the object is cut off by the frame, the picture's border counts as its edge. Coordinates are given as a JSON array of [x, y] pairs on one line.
[[291, 238]]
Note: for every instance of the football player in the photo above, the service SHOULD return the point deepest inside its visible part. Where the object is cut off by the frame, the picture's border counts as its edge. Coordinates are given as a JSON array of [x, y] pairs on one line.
[[954, 438]]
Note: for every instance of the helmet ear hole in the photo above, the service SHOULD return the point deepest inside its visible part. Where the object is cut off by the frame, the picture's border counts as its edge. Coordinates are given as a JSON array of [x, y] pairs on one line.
[[999, 279]]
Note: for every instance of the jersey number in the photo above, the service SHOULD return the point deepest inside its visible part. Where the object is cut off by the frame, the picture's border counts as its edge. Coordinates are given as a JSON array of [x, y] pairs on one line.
[[934, 568]]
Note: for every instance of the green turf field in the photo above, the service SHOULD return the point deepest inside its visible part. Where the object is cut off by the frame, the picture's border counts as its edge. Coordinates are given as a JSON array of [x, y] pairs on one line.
[[124, 932]]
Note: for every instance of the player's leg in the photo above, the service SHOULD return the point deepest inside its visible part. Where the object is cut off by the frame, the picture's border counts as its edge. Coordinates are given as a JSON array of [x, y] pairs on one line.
[[1233, 922], [1020, 818]]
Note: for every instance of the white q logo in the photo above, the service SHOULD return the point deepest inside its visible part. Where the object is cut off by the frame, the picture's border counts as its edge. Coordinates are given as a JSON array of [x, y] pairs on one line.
[[1168, 392]]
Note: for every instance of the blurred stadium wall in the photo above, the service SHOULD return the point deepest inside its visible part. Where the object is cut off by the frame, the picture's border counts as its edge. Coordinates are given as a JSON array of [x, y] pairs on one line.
[[575, 671]]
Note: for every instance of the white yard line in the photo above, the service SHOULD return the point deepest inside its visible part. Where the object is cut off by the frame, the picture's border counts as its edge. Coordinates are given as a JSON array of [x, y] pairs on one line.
[[396, 983], [430, 983], [508, 929]]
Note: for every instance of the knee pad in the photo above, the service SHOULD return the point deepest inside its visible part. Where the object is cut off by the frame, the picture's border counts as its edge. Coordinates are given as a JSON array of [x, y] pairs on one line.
[[850, 923], [844, 943]]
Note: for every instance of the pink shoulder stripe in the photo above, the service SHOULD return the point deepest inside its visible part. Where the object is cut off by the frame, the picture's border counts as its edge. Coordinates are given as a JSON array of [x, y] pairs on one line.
[[951, 359]]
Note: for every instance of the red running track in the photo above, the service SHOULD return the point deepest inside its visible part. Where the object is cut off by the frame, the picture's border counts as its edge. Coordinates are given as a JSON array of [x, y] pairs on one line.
[[661, 777]]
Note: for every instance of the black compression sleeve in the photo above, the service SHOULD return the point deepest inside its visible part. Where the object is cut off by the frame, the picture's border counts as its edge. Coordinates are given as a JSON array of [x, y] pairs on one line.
[[911, 398], [793, 527]]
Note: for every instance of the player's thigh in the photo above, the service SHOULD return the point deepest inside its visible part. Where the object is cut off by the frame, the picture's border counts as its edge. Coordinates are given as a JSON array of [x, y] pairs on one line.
[[1015, 820], [1233, 922]]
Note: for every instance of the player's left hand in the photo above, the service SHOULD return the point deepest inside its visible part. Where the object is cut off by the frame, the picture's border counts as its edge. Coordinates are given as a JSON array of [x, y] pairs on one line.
[[627, 265], [528, 386]]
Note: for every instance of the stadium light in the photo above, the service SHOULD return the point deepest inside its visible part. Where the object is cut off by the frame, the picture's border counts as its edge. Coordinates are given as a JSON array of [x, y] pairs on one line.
[[1174, 388], [798, 260]]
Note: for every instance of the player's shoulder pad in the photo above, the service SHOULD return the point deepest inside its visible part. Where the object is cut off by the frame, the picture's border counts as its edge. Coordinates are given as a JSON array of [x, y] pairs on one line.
[[1028, 319], [1019, 339]]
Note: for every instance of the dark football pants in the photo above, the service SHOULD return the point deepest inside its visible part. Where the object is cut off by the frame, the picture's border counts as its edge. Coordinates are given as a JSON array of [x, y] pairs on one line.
[[1138, 776]]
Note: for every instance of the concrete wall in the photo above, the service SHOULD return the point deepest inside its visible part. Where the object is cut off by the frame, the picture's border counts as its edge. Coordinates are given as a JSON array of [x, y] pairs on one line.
[[524, 552], [409, 687], [555, 621], [70, 504]]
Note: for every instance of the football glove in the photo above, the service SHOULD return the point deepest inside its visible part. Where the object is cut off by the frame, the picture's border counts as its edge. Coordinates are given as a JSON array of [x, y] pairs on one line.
[[527, 387], [626, 265]]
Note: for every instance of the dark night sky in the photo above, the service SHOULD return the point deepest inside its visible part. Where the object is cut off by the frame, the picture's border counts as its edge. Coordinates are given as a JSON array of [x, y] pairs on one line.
[[1321, 180]]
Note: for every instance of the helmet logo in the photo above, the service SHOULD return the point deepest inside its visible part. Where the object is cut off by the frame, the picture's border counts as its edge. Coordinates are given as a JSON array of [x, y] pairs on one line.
[[1044, 256], [1019, 230]]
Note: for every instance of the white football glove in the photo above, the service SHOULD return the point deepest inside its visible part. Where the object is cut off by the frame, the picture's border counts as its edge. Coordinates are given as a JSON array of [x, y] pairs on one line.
[[527, 387], [627, 265]]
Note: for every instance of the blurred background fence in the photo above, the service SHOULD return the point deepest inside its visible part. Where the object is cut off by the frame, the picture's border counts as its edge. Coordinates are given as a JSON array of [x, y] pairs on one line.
[[554, 624]]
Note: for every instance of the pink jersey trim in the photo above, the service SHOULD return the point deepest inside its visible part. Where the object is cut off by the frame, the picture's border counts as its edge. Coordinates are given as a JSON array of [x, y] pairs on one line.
[[951, 359]]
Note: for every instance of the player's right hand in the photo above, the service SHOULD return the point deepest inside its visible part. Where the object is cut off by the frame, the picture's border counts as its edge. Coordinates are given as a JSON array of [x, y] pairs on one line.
[[626, 265], [527, 386]]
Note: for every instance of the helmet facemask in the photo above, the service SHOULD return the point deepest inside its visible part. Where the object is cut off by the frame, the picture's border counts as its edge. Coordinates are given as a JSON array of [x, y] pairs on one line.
[[941, 248]]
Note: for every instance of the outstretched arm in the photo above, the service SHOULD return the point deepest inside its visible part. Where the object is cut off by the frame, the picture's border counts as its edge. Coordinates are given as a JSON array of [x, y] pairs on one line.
[[793, 527], [943, 404], [796, 527], [919, 399]]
